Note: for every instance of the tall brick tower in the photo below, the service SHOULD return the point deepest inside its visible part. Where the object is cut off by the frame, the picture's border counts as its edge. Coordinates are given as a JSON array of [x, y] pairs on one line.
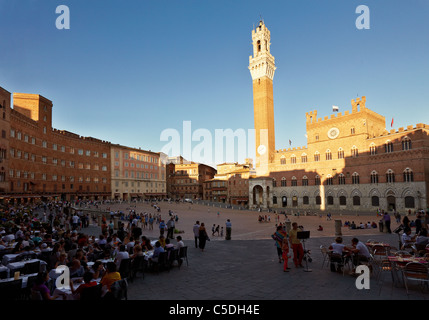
[[262, 68]]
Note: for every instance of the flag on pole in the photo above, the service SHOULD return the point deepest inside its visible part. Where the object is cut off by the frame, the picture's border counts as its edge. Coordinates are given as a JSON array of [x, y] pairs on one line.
[[335, 109], [391, 124], [290, 142]]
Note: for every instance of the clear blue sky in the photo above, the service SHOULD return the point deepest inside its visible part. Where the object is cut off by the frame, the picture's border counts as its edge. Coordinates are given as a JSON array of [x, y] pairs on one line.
[[127, 70]]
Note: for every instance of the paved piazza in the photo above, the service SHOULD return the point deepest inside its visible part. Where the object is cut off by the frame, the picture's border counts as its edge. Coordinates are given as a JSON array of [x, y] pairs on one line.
[[247, 268]]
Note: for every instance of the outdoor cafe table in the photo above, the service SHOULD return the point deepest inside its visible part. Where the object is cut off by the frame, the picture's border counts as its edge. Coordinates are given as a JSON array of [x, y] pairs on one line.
[[399, 263], [13, 266], [23, 277], [66, 290]]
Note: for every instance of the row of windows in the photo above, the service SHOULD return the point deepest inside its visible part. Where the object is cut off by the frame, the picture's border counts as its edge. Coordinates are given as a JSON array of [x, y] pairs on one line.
[[342, 201], [18, 154], [137, 175], [406, 145], [407, 176], [55, 147], [31, 175], [137, 165], [138, 157]]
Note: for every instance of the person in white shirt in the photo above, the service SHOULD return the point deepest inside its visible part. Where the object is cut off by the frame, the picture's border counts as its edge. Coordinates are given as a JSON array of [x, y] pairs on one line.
[[337, 249], [196, 230], [360, 251], [180, 243], [122, 254], [406, 238]]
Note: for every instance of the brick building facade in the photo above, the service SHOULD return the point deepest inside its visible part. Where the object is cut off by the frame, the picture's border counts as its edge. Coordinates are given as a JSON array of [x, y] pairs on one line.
[[351, 162]]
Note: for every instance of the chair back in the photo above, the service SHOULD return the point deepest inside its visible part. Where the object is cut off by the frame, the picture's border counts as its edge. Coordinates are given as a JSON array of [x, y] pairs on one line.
[[183, 252], [31, 267], [417, 271], [119, 289], [35, 295], [125, 267]]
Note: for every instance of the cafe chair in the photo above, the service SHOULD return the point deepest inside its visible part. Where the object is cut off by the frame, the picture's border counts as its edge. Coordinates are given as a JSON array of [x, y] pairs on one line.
[[119, 290], [11, 290], [403, 253], [138, 264], [417, 272], [183, 255], [386, 266], [31, 267], [325, 255], [125, 268], [91, 293], [35, 295], [27, 291]]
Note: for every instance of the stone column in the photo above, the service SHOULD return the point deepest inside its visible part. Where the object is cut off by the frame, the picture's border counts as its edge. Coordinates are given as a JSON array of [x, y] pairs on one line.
[[338, 224]]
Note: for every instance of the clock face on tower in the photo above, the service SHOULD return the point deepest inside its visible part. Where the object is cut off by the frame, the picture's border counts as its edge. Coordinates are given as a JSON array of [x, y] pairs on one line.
[[333, 133], [262, 149]]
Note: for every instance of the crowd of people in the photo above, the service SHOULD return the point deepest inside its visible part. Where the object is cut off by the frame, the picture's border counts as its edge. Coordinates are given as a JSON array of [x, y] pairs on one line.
[[56, 231]]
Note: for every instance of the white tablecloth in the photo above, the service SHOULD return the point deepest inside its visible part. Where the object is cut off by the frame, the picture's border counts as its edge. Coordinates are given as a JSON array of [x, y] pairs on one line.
[[20, 264], [7, 258], [23, 277], [8, 238]]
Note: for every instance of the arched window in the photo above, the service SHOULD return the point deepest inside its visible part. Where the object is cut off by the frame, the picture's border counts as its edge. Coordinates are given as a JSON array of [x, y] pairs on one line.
[[409, 202], [305, 200], [274, 200], [274, 183], [408, 175], [372, 149], [329, 180], [294, 182], [406, 143], [293, 159], [352, 130], [343, 201], [282, 160], [388, 146], [356, 201], [330, 200], [390, 176], [374, 177], [316, 156], [283, 182], [317, 180], [355, 152], [340, 153], [318, 200], [304, 158], [341, 179], [355, 178], [305, 181], [284, 201], [328, 155], [375, 201]]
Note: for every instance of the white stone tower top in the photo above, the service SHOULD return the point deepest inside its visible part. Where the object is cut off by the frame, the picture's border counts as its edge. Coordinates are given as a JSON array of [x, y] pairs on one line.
[[262, 63]]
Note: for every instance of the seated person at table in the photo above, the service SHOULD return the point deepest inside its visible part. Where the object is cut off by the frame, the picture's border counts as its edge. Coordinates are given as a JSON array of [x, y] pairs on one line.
[[88, 282], [76, 269], [161, 240], [120, 255], [337, 249], [406, 238], [422, 239], [19, 246], [62, 261], [40, 286], [37, 239], [111, 276], [180, 243], [137, 251], [158, 249], [360, 251], [146, 245], [97, 270], [353, 225]]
